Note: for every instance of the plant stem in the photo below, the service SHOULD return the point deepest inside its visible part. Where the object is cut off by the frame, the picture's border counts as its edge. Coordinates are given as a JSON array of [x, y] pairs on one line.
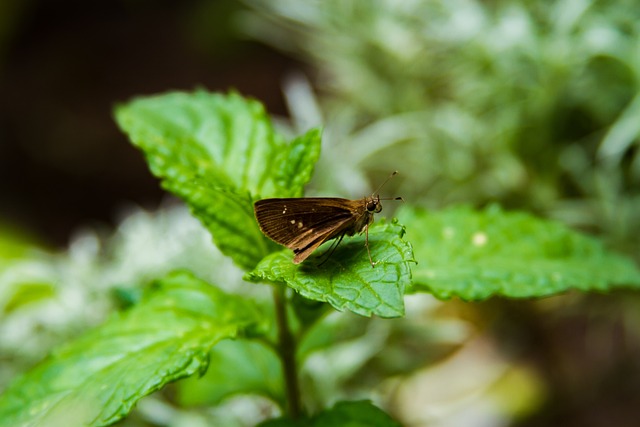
[[287, 350]]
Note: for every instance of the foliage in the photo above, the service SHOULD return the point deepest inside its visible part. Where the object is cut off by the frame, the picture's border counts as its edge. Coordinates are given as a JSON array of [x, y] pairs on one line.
[[219, 153], [530, 104], [355, 414], [97, 379], [346, 280], [475, 255]]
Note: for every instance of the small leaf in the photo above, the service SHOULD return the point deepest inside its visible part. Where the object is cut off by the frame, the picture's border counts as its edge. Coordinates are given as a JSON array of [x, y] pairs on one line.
[[353, 414], [347, 280], [97, 379], [297, 167], [474, 255], [220, 153], [27, 293], [14, 245], [622, 133], [236, 366]]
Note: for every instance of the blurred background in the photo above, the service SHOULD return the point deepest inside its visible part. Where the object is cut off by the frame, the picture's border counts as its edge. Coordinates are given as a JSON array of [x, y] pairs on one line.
[[66, 64], [533, 105]]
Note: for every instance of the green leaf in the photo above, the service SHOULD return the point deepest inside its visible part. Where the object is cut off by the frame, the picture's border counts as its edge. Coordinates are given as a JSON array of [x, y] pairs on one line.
[[238, 366], [12, 246], [346, 280], [352, 414], [220, 153], [297, 166], [474, 255], [97, 379], [24, 293]]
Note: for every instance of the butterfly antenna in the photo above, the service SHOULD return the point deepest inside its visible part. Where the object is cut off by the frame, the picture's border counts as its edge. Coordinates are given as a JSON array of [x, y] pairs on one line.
[[394, 173]]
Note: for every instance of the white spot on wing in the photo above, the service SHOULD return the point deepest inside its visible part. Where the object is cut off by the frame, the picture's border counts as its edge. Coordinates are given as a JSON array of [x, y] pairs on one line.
[[299, 224]]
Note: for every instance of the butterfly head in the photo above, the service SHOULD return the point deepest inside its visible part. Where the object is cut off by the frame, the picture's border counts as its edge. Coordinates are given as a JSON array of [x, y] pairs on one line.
[[373, 204]]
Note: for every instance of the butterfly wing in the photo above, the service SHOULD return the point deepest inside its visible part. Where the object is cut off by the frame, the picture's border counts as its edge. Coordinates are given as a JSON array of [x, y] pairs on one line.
[[303, 224]]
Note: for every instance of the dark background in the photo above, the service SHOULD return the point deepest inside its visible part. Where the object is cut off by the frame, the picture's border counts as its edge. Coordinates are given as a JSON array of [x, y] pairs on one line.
[[65, 64]]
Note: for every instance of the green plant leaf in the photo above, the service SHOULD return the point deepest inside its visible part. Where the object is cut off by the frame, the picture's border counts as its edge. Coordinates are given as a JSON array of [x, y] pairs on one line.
[[477, 254], [353, 414], [97, 379], [346, 280], [24, 293], [236, 366], [220, 153], [14, 245]]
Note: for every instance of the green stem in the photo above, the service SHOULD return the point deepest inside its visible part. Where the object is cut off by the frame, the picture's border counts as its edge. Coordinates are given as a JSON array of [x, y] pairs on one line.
[[287, 350]]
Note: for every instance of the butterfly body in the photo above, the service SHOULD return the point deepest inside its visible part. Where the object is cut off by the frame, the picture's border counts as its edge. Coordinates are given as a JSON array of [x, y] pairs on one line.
[[303, 224]]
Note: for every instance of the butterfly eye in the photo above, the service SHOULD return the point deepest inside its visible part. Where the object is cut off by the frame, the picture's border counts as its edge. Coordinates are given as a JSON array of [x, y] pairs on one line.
[[372, 207]]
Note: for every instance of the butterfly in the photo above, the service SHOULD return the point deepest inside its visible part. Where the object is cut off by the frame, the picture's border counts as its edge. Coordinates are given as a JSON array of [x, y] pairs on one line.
[[303, 224]]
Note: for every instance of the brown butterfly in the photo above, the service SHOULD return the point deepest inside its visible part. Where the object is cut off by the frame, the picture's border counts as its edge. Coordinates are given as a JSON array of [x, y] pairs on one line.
[[303, 224]]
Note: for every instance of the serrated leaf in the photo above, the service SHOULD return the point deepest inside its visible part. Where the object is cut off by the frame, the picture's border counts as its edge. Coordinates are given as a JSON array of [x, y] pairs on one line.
[[297, 166], [236, 366], [97, 379], [353, 414], [220, 153], [477, 254], [346, 280]]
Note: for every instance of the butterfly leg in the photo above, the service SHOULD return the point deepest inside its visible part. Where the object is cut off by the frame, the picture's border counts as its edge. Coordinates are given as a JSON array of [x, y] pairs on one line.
[[332, 249], [366, 243]]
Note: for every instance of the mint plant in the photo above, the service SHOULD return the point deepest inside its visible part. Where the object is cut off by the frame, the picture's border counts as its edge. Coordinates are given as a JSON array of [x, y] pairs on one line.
[[220, 154]]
